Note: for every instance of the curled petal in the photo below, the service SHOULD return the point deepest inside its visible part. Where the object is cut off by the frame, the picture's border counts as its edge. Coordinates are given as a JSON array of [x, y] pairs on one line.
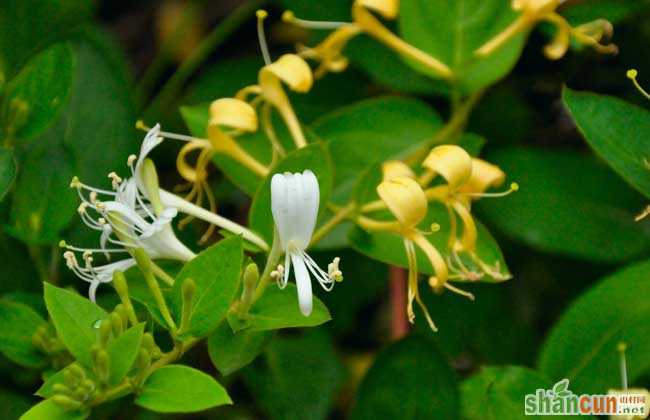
[[484, 175], [405, 199], [451, 162], [290, 69], [386, 8], [395, 168], [560, 43], [234, 113]]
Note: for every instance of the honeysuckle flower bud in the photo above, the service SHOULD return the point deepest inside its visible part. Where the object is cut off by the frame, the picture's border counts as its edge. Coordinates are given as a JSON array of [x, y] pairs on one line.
[[294, 203], [534, 11]]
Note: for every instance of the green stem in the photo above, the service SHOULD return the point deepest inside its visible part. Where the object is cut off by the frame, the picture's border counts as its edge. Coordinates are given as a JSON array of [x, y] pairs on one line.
[[144, 262], [202, 52], [162, 274], [455, 125], [339, 216], [271, 263]]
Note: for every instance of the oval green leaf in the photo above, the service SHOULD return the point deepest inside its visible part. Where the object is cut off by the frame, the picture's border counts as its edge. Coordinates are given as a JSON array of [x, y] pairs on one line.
[[181, 389], [582, 346], [453, 31], [19, 323], [409, 380], [279, 309], [567, 204], [619, 132], [215, 271], [74, 318], [231, 351]]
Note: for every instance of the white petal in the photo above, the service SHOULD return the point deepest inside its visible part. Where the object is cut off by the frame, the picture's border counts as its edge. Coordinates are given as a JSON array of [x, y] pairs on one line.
[[93, 290], [280, 208], [151, 140], [311, 198], [303, 284], [287, 268]]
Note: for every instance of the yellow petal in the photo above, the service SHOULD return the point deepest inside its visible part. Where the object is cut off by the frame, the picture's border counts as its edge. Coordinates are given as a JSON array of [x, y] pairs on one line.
[[451, 162], [233, 113], [405, 199], [484, 175], [295, 72], [290, 69], [386, 8], [224, 143], [560, 43], [394, 169], [536, 8], [468, 240], [329, 52], [434, 257]]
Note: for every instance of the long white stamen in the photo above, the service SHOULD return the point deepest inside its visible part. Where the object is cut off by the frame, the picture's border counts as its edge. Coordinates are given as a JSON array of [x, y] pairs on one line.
[[261, 15], [289, 17]]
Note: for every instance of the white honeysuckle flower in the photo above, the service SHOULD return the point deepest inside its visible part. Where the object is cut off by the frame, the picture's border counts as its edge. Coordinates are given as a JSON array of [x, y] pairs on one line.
[[127, 218], [294, 204]]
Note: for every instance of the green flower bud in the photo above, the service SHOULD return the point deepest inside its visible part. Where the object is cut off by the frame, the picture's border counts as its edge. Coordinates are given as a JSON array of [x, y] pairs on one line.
[[148, 342], [123, 313], [116, 323], [105, 331], [62, 389], [66, 402], [143, 360], [102, 365]]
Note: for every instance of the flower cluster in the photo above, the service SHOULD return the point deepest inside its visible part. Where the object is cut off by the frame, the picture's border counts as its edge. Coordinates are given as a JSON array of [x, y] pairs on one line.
[[407, 197]]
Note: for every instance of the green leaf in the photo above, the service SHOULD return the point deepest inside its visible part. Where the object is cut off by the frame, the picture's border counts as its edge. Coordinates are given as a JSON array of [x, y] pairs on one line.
[[19, 323], [74, 318], [615, 11], [453, 31], [314, 157], [389, 247], [27, 26], [297, 377], [386, 68], [13, 404], [278, 309], [567, 204], [92, 136], [497, 393], [181, 389], [371, 131], [231, 351], [409, 380], [33, 99], [7, 172], [619, 132], [582, 345], [216, 273], [47, 409], [47, 388], [122, 352]]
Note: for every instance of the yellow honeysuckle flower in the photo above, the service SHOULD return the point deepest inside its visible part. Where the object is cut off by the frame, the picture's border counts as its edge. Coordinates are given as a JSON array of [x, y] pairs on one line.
[[534, 11], [406, 200], [329, 52], [466, 178]]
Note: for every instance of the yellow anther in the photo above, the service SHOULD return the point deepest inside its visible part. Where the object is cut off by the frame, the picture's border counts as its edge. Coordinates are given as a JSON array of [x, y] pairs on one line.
[[131, 159], [261, 14], [140, 125], [632, 73], [514, 186], [75, 183], [63, 244], [288, 16], [435, 227]]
